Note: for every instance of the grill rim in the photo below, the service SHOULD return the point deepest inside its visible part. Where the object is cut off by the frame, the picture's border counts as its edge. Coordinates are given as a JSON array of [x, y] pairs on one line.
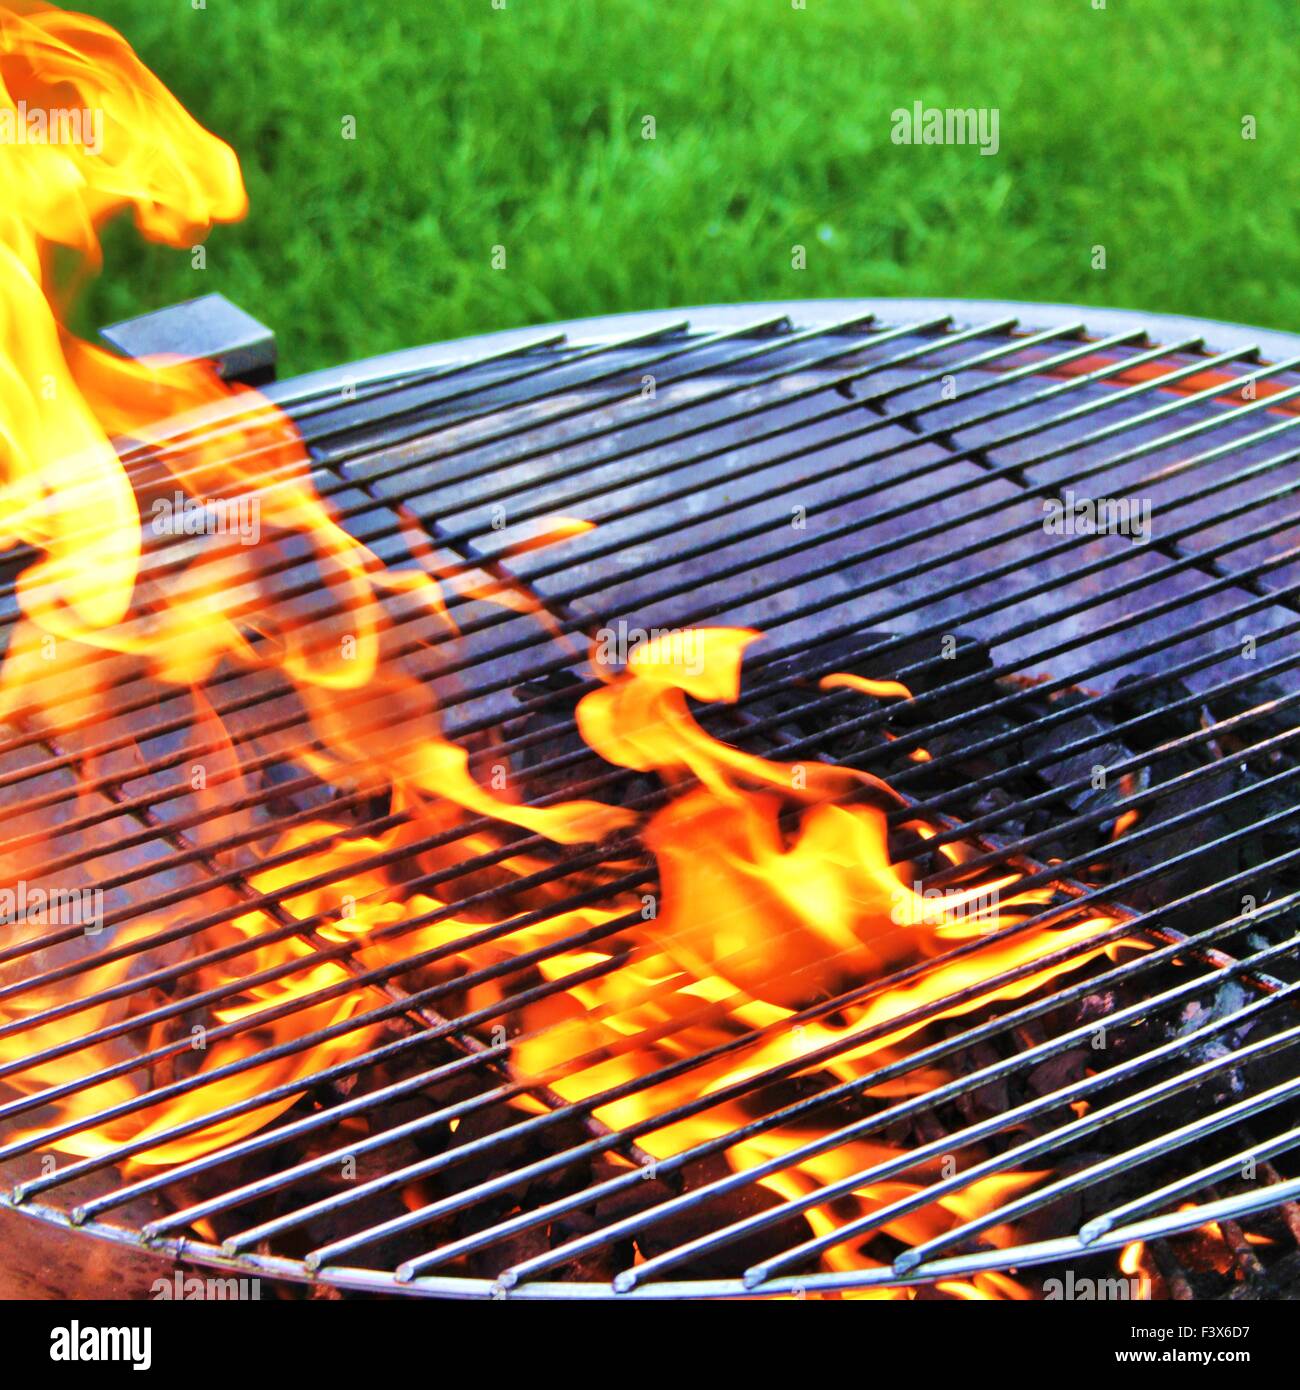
[[1219, 334], [577, 333]]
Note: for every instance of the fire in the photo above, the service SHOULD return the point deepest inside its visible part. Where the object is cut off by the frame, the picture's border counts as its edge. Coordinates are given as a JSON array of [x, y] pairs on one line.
[[776, 887]]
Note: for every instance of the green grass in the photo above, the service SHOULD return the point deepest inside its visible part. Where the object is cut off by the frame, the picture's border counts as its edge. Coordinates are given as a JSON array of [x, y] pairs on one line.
[[522, 127]]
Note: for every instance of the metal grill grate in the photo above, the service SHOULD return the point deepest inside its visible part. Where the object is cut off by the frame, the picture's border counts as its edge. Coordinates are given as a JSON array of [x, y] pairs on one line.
[[868, 489]]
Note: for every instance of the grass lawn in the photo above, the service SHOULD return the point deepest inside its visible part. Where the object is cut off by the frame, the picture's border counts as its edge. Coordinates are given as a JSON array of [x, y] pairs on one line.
[[523, 128]]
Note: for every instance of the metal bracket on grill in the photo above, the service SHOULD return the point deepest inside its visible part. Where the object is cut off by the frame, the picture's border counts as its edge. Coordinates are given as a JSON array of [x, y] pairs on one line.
[[210, 328]]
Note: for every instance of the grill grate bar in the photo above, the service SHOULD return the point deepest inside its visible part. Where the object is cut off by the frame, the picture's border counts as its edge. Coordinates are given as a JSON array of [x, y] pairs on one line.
[[330, 399], [879, 717], [417, 1010], [1167, 827], [230, 414], [535, 840], [933, 1052], [888, 514], [548, 365], [845, 379], [175, 972], [1040, 920], [1138, 1155], [686, 346], [1026, 1152], [369, 505], [376, 1015], [1092, 819], [177, 725], [267, 1015], [274, 477], [697, 1197], [1136, 763], [1012, 347], [842, 328], [1038, 1148], [1268, 401], [564, 627], [935, 803], [329, 488], [1037, 761], [527, 642], [857, 405], [1188, 1186]]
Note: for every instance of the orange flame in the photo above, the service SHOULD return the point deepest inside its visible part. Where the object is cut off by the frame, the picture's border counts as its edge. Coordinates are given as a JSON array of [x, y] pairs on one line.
[[776, 885]]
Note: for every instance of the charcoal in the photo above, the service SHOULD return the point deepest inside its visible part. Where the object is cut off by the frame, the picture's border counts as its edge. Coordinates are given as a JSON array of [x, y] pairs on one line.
[[854, 654], [1057, 1072], [1280, 1281], [1078, 766], [643, 1195], [558, 738], [1266, 803], [1274, 1068], [735, 1205], [1202, 871], [1071, 1209], [1162, 725], [952, 743], [1267, 724], [1228, 999], [989, 1099], [996, 801], [512, 1154], [515, 1249]]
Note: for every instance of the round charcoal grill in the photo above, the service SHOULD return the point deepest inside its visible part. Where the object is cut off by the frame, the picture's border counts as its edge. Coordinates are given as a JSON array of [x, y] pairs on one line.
[[872, 484]]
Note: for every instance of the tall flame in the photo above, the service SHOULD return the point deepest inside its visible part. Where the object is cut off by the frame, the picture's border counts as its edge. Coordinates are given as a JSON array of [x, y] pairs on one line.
[[776, 886]]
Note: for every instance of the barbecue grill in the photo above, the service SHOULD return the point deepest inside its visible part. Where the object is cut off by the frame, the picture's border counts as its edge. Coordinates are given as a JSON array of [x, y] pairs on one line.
[[868, 484]]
